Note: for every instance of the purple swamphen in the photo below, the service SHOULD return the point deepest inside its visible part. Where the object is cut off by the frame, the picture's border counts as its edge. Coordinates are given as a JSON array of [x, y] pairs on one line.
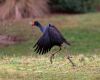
[[51, 37]]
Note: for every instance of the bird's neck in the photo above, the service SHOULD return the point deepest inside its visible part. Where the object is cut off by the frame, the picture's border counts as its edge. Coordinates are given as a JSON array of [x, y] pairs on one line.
[[41, 28]]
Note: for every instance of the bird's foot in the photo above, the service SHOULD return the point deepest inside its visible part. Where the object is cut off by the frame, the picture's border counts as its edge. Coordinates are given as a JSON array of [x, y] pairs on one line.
[[71, 61], [51, 58]]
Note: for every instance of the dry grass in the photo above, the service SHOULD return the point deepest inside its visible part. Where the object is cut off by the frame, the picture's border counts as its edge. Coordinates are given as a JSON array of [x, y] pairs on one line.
[[32, 68], [17, 9]]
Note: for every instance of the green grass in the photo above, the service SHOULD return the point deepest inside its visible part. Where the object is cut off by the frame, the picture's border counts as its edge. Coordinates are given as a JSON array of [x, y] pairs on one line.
[[20, 62]]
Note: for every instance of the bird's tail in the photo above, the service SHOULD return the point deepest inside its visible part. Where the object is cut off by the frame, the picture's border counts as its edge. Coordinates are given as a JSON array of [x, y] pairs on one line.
[[67, 42]]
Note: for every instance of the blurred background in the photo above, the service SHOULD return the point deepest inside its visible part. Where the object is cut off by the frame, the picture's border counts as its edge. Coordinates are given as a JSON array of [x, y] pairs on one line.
[[17, 9], [77, 20]]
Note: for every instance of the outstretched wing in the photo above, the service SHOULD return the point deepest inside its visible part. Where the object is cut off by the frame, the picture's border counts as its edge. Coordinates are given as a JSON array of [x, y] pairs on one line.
[[43, 45]]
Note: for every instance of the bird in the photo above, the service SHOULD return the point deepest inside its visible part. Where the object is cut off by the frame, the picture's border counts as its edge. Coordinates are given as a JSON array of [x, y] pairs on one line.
[[51, 37]]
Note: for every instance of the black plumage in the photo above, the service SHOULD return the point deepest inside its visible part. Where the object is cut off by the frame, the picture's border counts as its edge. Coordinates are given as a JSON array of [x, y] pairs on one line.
[[51, 37]]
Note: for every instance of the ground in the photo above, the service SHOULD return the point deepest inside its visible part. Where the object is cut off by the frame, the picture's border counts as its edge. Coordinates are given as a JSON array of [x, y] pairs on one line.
[[31, 68], [20, 62]]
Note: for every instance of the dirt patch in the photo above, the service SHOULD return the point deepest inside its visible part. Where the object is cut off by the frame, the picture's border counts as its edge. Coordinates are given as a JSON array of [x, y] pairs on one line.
[[6, 40]]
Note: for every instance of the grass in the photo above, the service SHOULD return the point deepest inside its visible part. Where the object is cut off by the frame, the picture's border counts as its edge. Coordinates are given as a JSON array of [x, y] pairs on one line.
[[31, 68], [19, 62]]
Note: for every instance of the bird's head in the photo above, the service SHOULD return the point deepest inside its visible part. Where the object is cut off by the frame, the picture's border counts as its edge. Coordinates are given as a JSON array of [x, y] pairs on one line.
[[35, 23]]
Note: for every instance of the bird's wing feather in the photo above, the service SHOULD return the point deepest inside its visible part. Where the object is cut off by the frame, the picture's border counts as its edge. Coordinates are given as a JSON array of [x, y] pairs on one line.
[[55, 36], [43, 45]]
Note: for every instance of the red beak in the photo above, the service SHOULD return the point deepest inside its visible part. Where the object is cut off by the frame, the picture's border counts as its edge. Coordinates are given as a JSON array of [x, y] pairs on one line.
[[33, 24]]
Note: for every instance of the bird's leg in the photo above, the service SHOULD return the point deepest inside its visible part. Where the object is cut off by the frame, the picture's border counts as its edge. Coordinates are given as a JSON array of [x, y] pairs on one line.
[[52, 55], [68, 57]]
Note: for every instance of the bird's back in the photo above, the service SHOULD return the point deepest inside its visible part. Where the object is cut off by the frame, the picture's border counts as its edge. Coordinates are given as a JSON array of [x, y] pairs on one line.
[[56, 35]]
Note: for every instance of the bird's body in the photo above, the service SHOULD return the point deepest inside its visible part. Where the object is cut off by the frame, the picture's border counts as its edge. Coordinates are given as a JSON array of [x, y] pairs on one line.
[[51, 37]]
